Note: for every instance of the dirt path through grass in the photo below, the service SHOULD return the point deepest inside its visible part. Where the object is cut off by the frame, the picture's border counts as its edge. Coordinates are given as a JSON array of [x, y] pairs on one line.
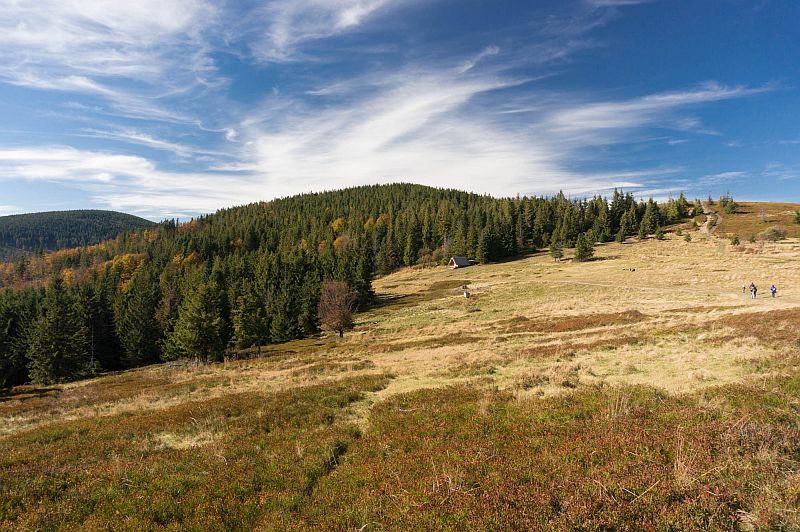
[[707, 228]]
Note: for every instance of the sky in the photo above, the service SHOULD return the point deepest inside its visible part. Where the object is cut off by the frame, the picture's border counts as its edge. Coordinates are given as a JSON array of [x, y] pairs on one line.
[[174, 108]]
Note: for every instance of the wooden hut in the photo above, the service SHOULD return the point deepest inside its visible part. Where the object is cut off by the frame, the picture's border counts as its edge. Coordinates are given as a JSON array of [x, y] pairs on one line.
[[459, 262]]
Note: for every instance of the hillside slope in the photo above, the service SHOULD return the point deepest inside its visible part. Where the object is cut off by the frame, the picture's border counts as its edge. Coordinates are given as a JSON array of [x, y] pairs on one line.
[[640, 390], [752, 218], [253, 275], [49, 231]]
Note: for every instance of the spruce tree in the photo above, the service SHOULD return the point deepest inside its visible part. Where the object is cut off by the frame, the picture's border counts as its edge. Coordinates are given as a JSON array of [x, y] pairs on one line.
[[58, 339], [198, 331], [95, 301], [247, 318], [584, 250], [16, 313], [642, 231], [556, 250], [482, 248], [137, 327]]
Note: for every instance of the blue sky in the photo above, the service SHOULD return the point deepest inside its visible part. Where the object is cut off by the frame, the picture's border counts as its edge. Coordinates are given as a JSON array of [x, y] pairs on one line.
[[171, 108]]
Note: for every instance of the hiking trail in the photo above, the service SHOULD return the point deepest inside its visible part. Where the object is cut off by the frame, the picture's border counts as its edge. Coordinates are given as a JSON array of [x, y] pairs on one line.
[[707, 228]]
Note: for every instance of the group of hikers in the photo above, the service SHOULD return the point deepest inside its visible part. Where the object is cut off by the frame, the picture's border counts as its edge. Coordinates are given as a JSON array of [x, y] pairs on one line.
[[754, 290]]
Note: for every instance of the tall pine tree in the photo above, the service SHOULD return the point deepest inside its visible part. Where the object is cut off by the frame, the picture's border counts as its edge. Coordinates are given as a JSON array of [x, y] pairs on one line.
[[198, 331], [58, 344]]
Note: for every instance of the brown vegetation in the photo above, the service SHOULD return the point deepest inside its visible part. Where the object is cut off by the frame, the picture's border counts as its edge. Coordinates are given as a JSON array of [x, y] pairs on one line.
[[336, 305], [753, 218], [643, 391]]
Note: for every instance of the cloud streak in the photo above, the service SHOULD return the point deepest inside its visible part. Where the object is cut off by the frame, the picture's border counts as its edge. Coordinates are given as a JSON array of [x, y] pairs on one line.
[[292, 23], [177, 141]]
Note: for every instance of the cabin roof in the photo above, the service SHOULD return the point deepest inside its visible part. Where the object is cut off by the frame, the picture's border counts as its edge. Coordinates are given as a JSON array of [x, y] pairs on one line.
[[460, 261]]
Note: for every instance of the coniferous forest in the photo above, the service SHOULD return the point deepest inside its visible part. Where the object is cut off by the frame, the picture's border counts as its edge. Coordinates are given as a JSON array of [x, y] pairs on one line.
[[49, 231], [252, 275]]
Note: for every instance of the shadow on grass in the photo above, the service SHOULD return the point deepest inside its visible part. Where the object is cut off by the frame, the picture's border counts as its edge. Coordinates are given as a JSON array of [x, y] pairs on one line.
[[26, 392]]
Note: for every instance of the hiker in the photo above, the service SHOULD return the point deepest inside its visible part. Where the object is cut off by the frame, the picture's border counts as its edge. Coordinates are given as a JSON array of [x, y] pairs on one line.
[[753, 290], [772, 290]]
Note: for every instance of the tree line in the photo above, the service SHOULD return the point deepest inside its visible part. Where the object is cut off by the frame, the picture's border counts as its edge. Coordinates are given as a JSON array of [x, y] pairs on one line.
[[253, 275]]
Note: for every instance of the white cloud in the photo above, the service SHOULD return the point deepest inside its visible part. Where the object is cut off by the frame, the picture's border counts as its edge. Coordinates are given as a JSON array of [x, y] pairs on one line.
[[101, 37], [780, 171], [617, 3], [132, 136], [441, 121], [468, 65], [595, 118], [721, 178], [133, 55], [291, 23], [127, 182], [429, 127], [426, 127]]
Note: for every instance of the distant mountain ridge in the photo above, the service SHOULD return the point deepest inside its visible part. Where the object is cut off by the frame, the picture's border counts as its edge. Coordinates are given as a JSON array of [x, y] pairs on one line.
[[53, 230]]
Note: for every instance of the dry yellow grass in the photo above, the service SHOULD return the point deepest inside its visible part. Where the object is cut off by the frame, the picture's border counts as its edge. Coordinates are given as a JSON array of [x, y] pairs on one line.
[[643, 313], [755, 217]]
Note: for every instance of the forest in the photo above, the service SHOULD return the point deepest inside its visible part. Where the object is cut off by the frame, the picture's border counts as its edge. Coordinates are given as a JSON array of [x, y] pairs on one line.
[[252, 275], [49, 231]]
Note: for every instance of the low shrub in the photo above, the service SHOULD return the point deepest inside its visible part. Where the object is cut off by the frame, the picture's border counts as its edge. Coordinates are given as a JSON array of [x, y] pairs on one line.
[[773, 234]]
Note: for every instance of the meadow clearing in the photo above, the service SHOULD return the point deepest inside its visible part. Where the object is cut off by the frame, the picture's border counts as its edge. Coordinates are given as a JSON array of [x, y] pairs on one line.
[[642, 389]]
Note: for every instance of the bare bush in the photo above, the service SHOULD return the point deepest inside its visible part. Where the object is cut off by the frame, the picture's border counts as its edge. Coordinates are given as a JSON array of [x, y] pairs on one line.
[[336, 305]]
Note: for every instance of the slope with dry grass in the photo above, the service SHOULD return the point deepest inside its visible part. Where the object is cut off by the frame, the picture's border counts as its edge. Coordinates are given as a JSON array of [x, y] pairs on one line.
[[638, 390], [753, 218]]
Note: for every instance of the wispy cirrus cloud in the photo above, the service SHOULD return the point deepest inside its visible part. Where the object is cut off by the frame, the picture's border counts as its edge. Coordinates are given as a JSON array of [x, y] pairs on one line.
[[426, 126], [431, 127], [476, 118], [653, 109], [132, 136], [132, 55], [780, 171], [721, 178], [293, 23], [617, 3], [126, 182]]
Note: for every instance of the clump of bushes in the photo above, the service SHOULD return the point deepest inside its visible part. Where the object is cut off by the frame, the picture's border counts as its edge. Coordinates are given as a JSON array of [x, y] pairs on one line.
[[728, 205], [773, 234], [735, 240]]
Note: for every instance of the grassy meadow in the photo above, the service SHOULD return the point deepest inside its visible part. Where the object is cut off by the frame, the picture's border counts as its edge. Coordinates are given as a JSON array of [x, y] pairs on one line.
[[640, 390]]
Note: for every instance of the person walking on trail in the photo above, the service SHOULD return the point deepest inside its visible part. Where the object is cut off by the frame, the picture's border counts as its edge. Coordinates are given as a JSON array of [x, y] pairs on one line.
[[753, 290], [772, 291]]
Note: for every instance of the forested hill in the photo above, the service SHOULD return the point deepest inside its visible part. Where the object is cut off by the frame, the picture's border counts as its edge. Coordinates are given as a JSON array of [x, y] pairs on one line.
[[252, 275], [49, 231]]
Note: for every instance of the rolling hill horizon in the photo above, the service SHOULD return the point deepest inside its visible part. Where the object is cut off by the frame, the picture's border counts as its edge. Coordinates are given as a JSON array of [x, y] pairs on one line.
[[47, 231]]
